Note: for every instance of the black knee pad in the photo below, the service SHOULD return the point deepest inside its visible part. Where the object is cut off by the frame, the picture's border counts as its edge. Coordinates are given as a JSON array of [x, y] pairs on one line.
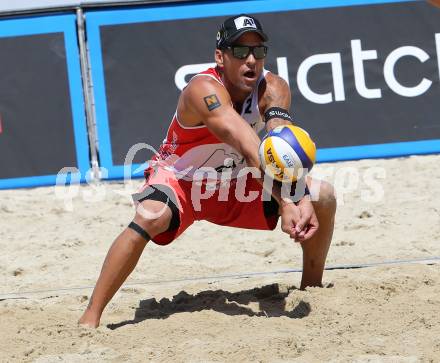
[[164, 194], [142, 232]]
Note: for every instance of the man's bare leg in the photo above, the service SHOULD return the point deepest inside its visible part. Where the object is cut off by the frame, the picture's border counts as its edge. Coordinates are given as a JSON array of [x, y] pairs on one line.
[[316, 248], [120, 261]]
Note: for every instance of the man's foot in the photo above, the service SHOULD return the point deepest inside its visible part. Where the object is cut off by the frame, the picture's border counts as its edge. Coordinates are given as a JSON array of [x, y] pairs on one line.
[[87, 320]]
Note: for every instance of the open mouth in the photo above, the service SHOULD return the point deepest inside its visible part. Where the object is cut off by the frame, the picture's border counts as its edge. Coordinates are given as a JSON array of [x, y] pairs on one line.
[[250, 74]]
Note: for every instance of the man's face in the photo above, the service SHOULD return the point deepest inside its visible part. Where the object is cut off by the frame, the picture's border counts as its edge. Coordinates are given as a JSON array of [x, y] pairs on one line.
[[243, 74]]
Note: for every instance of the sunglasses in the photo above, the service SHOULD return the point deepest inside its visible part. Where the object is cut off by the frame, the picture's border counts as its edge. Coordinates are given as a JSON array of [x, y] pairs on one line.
[[243, 51]]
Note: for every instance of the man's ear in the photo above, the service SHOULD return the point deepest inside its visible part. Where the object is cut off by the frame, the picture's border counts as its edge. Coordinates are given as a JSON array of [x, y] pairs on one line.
[[218, 56]]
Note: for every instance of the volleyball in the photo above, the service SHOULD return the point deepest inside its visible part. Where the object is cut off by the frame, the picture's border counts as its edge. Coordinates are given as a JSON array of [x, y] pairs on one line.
[[287, 153]]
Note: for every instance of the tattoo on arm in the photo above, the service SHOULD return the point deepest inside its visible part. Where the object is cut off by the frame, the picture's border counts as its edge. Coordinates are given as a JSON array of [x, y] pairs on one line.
[[212, 102], [276, 94]]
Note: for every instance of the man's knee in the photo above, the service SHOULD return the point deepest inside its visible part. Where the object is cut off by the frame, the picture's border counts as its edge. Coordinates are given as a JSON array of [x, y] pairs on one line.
[[153, 216], [325, 197]]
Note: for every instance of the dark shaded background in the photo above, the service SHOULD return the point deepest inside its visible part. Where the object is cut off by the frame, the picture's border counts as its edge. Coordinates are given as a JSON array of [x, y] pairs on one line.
[[140, 62], [35, 110]]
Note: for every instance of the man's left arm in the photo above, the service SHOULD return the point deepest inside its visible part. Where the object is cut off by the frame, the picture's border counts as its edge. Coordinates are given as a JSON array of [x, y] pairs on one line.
[[275, 105], [275, 102]]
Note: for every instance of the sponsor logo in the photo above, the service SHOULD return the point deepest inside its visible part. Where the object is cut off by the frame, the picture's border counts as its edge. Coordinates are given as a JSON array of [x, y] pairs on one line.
[[212, 102], [278, 114], [359, 56], [274, 166], [288, 161], [270, 156], [244, 22]]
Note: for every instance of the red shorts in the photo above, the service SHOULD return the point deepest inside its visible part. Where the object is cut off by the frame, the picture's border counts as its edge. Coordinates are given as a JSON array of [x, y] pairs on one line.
[[191, 202]]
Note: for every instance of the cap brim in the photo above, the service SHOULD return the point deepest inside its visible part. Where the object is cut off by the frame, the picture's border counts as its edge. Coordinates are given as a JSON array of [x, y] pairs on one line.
[[242, 31]]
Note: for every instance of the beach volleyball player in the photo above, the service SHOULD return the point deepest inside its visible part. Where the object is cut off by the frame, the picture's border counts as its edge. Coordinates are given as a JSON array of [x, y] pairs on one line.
[[215, 127]]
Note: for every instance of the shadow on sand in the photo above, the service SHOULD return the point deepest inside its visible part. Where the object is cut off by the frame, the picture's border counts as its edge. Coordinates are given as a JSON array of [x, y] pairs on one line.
[[271, 300]]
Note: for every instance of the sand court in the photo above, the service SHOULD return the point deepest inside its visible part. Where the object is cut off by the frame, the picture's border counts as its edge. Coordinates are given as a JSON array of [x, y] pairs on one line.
[[222, 294]]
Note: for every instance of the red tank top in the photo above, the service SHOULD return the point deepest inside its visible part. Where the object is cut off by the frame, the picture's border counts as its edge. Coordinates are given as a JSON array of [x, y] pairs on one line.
[[187, 149]]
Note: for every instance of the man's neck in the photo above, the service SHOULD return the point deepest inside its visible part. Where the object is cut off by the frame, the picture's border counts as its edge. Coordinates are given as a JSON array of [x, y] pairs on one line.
[[237, 95]]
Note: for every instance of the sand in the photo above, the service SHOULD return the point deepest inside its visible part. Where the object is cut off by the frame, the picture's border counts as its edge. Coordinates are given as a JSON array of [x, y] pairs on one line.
[[225, 295]]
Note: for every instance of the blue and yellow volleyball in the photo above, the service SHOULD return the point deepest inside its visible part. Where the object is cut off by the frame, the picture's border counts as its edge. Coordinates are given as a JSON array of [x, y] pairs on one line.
[[287, 153]]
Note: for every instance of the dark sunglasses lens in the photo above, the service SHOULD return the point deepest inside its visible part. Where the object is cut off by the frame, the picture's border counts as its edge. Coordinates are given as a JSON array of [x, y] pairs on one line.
[[240, 52], [260, 52]]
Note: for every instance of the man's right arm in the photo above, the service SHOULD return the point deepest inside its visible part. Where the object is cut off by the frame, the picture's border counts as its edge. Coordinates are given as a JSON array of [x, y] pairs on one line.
[[208, 102]]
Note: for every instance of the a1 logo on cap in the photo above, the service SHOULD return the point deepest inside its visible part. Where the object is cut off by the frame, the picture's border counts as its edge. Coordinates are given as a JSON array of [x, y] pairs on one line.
[[244, 22]]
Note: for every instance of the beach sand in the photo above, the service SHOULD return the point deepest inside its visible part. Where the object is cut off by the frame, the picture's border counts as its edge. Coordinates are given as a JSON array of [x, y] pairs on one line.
[[220, 294]]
